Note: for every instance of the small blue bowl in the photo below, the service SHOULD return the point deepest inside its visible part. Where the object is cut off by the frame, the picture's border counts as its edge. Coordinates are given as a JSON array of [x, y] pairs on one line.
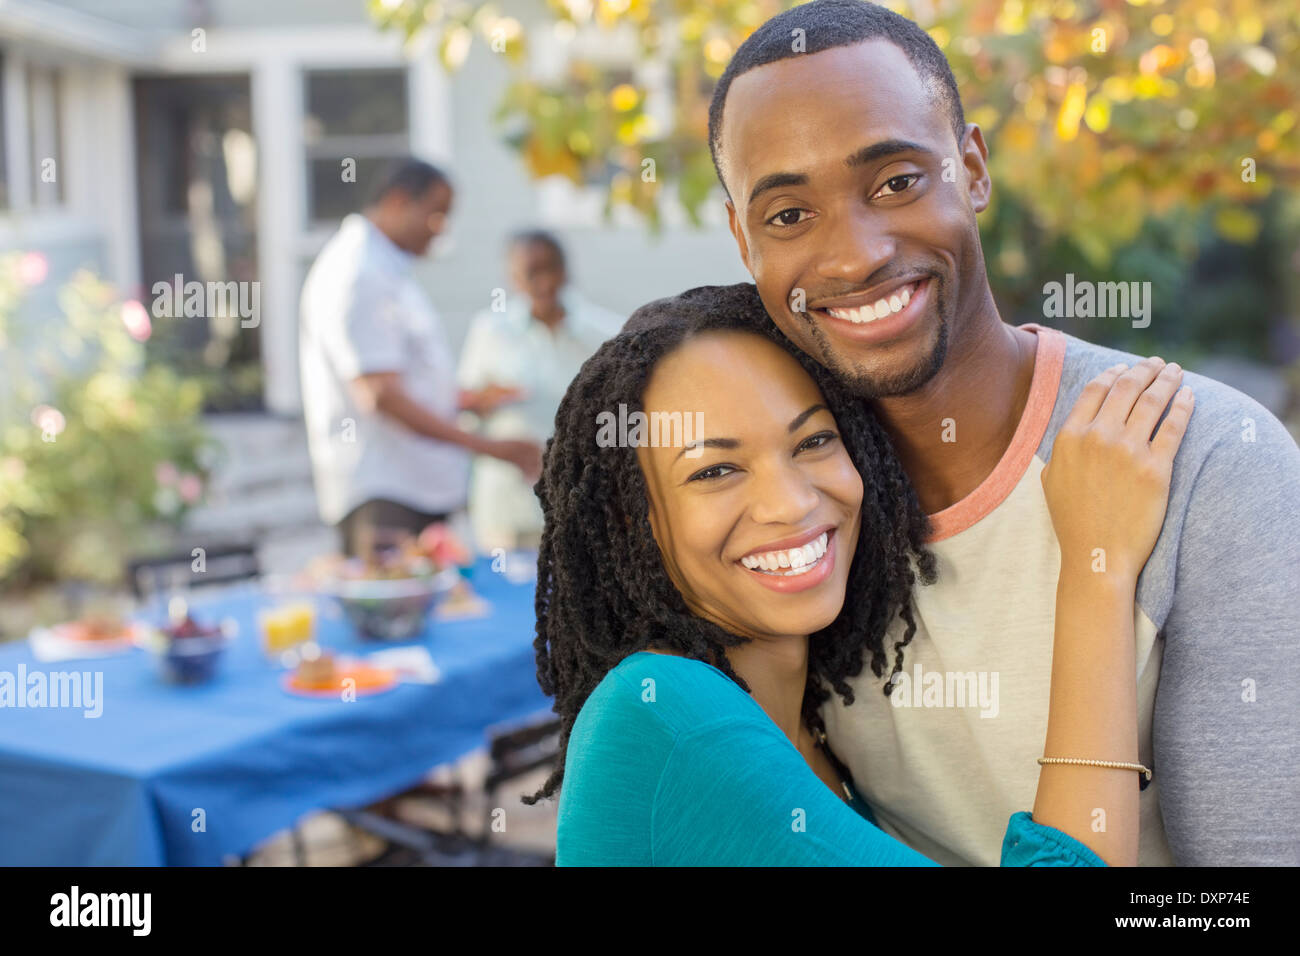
[[191, 660]]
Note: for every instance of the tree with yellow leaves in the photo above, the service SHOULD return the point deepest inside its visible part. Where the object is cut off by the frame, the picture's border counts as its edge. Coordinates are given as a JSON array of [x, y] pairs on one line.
[[1146, 131]]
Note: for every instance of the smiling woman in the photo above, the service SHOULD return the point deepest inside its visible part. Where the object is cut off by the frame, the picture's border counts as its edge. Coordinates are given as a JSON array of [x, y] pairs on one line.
[[750, 533]]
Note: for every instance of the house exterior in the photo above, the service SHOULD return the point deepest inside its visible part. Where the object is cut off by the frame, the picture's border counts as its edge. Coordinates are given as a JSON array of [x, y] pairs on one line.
[[285, 90], [151, 139]]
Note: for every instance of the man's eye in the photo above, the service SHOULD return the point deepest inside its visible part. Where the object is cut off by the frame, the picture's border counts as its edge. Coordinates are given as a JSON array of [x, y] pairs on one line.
[[710, 473], [892, 184], [787, 217]]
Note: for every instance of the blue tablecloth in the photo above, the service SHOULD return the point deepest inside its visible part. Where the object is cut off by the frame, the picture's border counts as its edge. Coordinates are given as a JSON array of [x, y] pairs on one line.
[[186, 775]]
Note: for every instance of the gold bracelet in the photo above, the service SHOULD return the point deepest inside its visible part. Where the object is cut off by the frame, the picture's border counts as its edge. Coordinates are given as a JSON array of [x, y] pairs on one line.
[[1114, 764]]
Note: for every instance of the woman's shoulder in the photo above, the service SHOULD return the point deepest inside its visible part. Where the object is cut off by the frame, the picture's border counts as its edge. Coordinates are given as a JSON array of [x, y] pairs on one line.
[[660, 697], [683, 691], [659, 661], [624, 738]]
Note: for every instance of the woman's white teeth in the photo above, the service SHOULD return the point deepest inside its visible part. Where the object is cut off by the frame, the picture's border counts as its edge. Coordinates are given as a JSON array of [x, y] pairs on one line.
[[798, 560], [883, 307]]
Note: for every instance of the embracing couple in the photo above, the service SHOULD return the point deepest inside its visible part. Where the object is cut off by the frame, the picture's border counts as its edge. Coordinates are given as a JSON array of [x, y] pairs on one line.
[[777, 643]]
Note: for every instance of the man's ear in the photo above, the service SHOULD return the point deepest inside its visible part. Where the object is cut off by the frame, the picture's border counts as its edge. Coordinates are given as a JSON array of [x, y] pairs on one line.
[[733, 221], [974, 157]]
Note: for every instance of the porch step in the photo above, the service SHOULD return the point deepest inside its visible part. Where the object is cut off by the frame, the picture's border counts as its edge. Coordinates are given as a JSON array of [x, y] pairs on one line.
[[261, 488]]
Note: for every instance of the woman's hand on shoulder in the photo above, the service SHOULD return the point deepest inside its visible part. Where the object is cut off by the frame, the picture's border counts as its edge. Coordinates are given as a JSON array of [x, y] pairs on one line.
[[1107, 483]]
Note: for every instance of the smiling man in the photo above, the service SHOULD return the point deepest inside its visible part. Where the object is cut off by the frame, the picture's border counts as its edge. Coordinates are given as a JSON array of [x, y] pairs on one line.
[[854, 185]]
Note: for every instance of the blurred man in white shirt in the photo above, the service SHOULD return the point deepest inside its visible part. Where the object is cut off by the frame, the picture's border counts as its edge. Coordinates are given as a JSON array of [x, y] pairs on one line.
[[535, 345], [380, 397]]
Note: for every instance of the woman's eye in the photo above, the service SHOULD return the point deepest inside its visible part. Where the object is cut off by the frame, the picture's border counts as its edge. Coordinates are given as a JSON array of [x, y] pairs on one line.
[[892, 183], [784, 217], [820, 440], [713, 471]]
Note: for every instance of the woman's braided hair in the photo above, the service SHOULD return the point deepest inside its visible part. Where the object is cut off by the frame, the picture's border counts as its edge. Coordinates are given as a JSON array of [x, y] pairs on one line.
[[602, 590]]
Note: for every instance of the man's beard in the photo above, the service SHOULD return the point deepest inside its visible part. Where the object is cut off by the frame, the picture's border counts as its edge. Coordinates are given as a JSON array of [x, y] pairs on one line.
[[870, 386]]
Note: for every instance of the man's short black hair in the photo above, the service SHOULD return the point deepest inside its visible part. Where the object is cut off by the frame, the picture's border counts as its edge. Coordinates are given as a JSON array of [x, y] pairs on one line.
[[827, 24], [527, 237], [408, 175]]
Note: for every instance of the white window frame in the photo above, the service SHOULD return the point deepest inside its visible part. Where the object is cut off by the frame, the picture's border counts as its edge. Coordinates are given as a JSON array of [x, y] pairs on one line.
[[276, 60], [355, 146], [96, 165], [35, 116], [46, 99], [92, 58]]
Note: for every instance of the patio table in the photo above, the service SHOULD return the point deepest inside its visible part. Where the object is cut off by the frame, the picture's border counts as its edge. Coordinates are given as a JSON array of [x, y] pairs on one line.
[[189, 775]]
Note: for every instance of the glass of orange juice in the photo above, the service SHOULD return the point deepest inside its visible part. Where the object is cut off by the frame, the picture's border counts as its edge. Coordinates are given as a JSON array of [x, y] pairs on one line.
[[286, 625]]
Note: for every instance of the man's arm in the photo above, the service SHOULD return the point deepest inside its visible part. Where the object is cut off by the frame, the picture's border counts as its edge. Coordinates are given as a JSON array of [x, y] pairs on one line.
[[383, 392], [365, 344], [1226, 726]]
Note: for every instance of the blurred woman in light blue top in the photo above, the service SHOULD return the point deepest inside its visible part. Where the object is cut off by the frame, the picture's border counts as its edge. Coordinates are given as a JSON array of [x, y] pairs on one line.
[[527, 346]]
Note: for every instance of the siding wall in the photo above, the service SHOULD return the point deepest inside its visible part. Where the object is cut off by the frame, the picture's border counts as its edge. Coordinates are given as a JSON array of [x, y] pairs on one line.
[[619, 266]]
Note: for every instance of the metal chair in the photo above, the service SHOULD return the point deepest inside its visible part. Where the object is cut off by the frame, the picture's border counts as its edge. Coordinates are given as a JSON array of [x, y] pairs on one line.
[[513, 752], [222, 564]]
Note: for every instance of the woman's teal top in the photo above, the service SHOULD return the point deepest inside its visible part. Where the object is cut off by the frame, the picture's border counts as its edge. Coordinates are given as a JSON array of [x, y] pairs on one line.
[[670, 763]]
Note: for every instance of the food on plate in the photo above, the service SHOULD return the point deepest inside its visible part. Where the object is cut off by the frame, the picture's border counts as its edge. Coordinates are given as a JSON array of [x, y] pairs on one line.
[[323, 675], [95, 628], [317, 672]]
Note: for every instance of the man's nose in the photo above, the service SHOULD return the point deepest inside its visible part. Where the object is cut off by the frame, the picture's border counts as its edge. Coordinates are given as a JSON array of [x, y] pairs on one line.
[[855, 246]]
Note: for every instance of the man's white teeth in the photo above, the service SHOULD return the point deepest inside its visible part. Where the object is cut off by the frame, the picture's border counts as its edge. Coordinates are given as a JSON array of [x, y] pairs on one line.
[[897, 302], [798, 560]]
